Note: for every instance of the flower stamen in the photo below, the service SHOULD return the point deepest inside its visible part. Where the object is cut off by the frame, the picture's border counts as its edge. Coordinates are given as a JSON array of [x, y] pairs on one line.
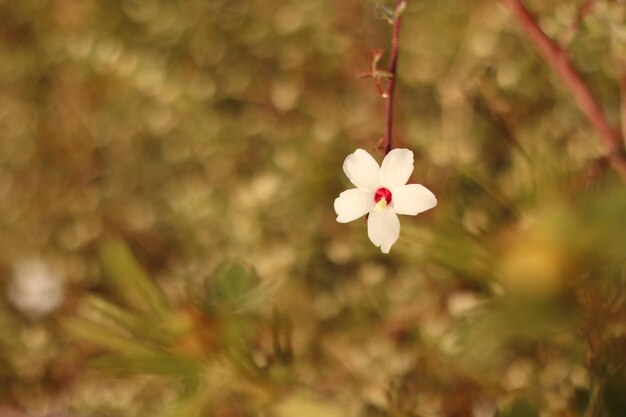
[[380, 205], [382, 197]]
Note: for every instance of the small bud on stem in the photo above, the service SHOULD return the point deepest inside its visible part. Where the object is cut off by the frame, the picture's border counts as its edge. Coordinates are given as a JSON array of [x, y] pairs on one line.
[[389, 76]]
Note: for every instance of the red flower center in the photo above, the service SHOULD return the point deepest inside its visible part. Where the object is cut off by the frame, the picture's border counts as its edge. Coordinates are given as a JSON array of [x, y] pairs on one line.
[[382, 193]]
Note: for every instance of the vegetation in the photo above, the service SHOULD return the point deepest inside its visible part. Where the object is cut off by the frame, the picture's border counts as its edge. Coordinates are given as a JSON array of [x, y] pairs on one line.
[[168, 244]]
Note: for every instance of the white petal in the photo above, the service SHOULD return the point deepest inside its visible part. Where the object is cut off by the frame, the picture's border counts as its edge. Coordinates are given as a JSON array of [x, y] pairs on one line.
[[352, 204], [362, 170], [412, 199], [383, 228], [396, 168]]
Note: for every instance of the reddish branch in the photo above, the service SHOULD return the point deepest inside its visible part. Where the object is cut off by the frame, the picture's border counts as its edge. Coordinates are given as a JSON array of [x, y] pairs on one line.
[[388, 76], [393, 65], [560, 62]]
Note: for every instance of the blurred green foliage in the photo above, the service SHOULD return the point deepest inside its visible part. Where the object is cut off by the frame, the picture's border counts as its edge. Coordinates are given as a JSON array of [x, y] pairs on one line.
[[167, 173]]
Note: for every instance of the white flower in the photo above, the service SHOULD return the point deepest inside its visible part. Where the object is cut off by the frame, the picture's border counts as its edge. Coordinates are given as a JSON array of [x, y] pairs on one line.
[[35, 289], [382, 192]]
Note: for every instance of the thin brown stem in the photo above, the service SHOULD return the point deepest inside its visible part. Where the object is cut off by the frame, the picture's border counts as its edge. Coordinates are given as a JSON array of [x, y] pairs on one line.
[[561, 64], [391, 84], [570, 32]]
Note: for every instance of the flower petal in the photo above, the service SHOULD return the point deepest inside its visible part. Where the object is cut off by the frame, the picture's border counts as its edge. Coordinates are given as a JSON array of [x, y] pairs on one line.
[[352, 204], [396, 168], [362, 170], [383, 228], [412, 199]]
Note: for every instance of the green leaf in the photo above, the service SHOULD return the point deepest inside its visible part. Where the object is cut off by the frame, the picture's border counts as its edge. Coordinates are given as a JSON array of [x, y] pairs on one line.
[[148, 327], [230, 284], [104, 338], [121, 267]]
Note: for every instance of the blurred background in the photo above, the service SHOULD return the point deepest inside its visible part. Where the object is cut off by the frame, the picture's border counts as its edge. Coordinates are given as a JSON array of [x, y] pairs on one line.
[[168, 244]]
